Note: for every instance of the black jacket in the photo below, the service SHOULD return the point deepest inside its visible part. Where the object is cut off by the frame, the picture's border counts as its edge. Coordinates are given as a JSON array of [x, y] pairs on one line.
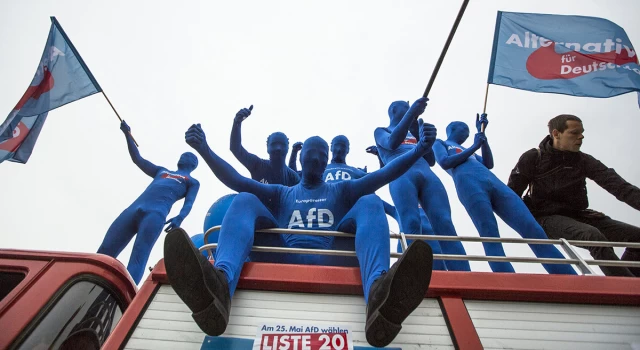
[[557, 181]]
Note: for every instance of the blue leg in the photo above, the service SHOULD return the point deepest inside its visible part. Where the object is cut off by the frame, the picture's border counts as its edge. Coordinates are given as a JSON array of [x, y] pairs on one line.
[[481, 212], [245, 215], [367, 219], [440, 265], [405, 197], [435, 203], [149, 230], [119, 234], [515, 213]]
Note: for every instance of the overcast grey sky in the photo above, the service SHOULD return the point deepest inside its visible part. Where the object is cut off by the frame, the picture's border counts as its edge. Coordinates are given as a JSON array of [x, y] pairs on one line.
[[322, 68]]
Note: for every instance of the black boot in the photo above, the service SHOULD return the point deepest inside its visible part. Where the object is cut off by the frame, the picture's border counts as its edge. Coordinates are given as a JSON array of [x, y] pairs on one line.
[[397, 293], [202, 287]]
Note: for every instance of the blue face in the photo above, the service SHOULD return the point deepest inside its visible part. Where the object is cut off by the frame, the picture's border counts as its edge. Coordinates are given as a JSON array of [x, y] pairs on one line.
[[339, 148], [458, 132], [314, 158], [397, 110], [277, 146], [188, 161]]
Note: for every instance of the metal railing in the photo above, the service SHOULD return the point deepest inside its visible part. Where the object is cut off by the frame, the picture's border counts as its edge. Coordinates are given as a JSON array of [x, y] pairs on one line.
[[583, 265]]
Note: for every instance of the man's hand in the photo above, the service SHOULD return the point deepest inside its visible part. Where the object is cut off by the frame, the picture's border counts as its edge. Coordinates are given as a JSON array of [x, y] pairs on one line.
[[372, 150], [481, 119], [196, 138], [417, 108], [428, 134], [243, 114], [173, 223], [125, 127], [479, 139], [296, 147]]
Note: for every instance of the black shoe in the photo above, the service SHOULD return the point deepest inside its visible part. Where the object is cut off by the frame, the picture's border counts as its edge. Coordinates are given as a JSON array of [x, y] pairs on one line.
[[202, 287], [397, 293]]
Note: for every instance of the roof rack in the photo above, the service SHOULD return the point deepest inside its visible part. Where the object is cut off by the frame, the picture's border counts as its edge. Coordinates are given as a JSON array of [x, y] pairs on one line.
[[584, 266]]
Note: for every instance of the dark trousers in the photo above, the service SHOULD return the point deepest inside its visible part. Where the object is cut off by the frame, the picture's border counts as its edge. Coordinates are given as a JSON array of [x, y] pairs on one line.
[[594, 226]]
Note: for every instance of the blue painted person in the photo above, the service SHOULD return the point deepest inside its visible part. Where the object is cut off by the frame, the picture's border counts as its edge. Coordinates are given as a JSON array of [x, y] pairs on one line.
[[425, 225], [482, 194], [147, 214], [419, 186], [268, 171], [391, 293]]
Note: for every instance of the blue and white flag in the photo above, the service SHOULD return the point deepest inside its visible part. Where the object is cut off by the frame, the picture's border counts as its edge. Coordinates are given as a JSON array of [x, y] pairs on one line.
[[61, 78], [572, 55]]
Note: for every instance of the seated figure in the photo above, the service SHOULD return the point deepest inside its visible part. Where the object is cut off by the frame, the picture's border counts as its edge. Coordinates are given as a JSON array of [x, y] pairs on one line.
[[391, 293]]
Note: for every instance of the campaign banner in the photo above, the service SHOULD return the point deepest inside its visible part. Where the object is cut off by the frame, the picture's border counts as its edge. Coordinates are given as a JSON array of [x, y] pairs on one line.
[[573, 55], [320, 336]]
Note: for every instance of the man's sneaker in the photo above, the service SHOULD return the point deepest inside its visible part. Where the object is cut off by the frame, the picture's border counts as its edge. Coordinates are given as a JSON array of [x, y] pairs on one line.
[[202, 287], [397, 293]]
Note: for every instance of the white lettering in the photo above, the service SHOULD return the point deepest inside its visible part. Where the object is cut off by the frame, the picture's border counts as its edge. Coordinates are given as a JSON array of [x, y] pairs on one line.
[[608, 45], [576, 46], [565, 69], [310, 217], [545, 42], [534, 41], [329, 177], [284, 342], [296, 220], [295, 339], [592, 47], [630, 51], [514, 39], [321, 221]]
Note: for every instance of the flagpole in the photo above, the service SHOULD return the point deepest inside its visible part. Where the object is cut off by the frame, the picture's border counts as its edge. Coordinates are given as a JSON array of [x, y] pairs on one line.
[[86, 69], [446, 47], [118, 115], [484, 109]]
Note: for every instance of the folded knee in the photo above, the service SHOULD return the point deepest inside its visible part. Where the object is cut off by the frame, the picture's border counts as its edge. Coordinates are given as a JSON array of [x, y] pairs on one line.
[[244, 198], [371, 202]]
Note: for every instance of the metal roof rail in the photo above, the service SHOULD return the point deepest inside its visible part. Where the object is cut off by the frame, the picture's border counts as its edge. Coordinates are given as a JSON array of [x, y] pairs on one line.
[[568, 246]]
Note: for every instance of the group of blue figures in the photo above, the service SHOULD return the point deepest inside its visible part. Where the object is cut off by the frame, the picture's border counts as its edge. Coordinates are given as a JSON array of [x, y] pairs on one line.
[[421, 204]]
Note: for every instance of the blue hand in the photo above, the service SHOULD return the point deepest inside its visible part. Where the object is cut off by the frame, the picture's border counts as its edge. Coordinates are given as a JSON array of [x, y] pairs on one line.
[[243, 114], [428, 133], [480, 120], [173, 223], [196, 138]]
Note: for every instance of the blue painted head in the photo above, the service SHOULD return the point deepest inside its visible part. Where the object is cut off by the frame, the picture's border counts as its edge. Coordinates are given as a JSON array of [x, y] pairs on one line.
[[188, 161], [277, 146], [397, 110], [314, 158], [339, 149], [457, 132]]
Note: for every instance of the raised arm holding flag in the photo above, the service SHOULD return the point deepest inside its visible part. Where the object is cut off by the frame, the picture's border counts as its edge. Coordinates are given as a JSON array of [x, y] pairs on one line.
[[62, 77]]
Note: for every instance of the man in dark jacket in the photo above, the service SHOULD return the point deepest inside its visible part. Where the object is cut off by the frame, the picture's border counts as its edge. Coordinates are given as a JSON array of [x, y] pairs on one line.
[[555, 174]]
